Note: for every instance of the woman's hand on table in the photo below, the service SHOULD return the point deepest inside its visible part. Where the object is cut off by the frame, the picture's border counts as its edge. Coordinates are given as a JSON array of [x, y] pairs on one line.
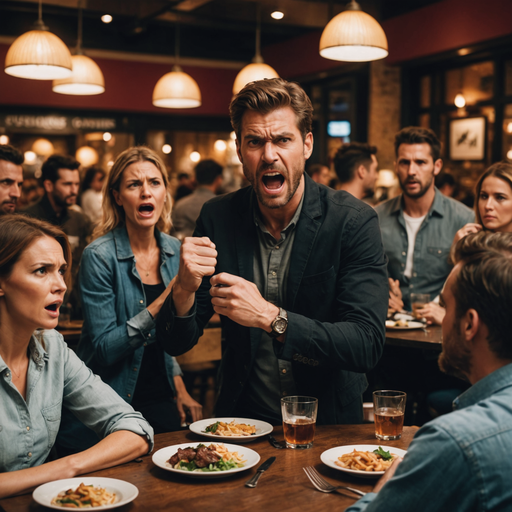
[[433, 313], [185, 403]]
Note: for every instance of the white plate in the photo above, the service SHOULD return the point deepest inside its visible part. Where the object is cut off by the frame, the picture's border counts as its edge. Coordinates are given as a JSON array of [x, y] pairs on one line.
[[161, 457], [125, 491], [409, 326], [328, 457], [262, 429]]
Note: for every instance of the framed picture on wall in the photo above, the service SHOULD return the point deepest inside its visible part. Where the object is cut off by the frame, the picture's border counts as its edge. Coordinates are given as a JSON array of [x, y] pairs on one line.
[[467, 138]]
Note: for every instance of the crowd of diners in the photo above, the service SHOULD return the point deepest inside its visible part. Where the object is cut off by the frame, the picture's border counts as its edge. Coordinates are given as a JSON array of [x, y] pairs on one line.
[[302, 276]]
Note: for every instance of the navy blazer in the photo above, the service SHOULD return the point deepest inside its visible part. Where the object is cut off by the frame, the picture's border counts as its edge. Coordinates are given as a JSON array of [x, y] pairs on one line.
[[337, 297]]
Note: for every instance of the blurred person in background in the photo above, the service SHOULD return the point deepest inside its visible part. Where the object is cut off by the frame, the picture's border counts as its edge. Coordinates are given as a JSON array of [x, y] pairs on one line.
[[447, 185], [41, 376], [125, 275], [418, 226], [92, 196], [11, 178], [186, 185], [31, 192], [319, 173], [186, 210], [356, 165], [61, 182], [493, 212]]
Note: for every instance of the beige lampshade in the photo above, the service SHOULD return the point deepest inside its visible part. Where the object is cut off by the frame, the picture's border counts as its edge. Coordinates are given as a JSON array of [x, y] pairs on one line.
[[86, 79], [251, 73], [38, 55], [353, 36], [176, 90]]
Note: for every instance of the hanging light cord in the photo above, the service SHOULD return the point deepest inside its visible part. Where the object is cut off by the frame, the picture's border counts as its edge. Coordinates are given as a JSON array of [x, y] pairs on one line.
[[257, 57], [80, 22], [39, 24]]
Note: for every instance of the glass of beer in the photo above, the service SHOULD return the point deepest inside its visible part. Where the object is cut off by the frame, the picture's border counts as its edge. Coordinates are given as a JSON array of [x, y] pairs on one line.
[[418, 301], [299, 420], [389, 410]]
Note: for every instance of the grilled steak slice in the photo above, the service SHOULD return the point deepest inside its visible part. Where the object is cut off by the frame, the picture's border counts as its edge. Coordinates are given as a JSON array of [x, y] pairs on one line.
[[205, 456]]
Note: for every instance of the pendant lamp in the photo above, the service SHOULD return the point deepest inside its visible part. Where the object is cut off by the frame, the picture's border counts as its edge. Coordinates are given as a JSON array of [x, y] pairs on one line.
[[176, 89], [87, 78], [353, 36], [38, 54], [257, 70]]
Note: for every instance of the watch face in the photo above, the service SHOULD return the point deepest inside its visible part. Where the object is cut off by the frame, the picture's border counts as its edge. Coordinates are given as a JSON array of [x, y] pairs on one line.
[[280, 325]]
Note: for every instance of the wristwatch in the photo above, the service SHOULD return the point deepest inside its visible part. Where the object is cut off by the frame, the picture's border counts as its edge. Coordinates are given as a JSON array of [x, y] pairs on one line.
[[279, 324]]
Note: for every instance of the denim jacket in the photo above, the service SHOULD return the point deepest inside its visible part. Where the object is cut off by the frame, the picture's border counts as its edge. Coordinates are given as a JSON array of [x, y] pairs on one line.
[[460, 461], [431, 265], [56, 379], [117, 325]]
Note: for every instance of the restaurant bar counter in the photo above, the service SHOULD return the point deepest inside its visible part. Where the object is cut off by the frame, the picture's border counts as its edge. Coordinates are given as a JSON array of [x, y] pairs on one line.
[[283, 487]]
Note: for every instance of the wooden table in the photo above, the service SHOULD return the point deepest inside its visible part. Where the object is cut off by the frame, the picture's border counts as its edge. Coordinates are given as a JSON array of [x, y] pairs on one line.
[[416, 338], [284, 487]]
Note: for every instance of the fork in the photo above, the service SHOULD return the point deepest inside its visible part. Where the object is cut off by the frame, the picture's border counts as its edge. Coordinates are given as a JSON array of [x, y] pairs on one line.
[[323, 485]]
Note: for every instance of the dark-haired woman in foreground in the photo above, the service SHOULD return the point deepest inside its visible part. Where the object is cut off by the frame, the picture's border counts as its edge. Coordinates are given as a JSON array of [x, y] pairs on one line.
[[39, 375]]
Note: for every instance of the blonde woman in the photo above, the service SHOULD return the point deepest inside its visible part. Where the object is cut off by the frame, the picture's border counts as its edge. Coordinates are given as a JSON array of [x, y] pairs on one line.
[[40, 376], [125, 276]]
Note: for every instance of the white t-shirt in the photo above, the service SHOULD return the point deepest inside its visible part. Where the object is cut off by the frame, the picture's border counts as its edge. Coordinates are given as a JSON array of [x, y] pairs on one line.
[[412, 225]]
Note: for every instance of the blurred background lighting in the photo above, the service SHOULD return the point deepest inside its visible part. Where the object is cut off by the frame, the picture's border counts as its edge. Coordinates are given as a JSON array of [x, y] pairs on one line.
[[30, 157], [106, 18], [43, 147], [195, 156], [220, 145], [277, 15], [460, 101], [4, 139], [107, 136], [166, 149]]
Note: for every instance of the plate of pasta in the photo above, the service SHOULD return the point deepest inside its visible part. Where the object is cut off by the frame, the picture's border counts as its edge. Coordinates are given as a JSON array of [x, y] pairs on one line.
[[85, 492], [209, 460], [239, 430], [365, 460]]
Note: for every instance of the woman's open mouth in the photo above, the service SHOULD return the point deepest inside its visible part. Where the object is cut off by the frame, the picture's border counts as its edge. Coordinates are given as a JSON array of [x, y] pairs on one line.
[[146, 210], [53, 308], [273, 182]]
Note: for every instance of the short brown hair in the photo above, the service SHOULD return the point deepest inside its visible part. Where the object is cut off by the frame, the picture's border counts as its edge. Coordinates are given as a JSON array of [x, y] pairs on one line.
[[113, 214], [418, 135], [501, 170], [484, 283], [18, 232], [350, 156], [268, 95]]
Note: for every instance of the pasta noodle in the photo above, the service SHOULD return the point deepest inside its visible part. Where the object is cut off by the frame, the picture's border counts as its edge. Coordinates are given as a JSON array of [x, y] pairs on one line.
[[364, 461], [220, 428], [84, 496]]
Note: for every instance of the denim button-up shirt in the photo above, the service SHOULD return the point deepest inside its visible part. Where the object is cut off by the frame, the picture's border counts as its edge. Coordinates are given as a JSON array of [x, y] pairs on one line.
[[117, 324], [56, 378], [431, 264], [460, 461]]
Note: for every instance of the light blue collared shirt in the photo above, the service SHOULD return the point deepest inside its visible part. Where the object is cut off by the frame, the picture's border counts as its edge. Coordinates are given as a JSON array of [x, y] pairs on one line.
[[431, 264], [460, 461], [56, 378]]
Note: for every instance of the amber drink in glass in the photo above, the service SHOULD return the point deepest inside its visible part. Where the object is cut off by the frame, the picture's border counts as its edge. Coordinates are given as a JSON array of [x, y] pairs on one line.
[[389, 410], [299, 420], [419, 301]]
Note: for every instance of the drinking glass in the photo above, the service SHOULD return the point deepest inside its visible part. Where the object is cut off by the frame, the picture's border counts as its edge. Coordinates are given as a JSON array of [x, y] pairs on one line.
[[299, 420], [389, 410], [418, 300]]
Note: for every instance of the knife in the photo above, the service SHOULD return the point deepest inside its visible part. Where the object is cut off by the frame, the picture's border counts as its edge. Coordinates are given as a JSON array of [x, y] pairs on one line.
[[254, 480]]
